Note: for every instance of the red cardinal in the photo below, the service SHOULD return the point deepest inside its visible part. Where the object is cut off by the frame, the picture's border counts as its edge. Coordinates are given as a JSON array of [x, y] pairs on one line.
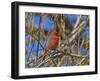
[[53, 39]]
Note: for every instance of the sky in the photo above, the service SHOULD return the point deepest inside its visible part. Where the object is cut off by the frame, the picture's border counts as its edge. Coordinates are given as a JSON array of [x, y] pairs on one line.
[[47, 23]]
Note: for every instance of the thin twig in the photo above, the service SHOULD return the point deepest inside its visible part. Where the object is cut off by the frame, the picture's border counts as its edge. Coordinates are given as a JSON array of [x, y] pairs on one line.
[[80, 61]]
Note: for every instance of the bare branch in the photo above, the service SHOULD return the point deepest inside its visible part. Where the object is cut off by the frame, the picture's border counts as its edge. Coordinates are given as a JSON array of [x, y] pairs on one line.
[[77, 21], [77, 30]]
